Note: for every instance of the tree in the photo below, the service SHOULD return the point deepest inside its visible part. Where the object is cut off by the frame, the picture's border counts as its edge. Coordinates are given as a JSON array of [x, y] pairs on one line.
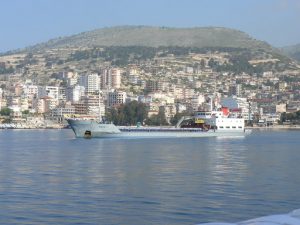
[[128, 114], [5, 112], [25, 112], [157, 120]]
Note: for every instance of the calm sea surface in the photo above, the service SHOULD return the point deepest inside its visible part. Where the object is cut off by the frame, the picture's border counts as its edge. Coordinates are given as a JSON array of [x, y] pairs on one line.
[[49, 177]]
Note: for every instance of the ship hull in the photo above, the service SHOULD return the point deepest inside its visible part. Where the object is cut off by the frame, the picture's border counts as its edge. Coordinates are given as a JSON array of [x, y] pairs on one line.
[[92, 129]]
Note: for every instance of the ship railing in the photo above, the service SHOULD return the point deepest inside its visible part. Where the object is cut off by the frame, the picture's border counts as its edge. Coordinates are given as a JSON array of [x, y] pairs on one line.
[[160, 129]]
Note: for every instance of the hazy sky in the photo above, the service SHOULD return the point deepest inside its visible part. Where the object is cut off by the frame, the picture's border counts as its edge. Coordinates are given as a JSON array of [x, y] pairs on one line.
[[27, 22]]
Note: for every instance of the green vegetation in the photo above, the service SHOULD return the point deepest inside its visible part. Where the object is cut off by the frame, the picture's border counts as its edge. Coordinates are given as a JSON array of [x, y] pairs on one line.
[[290, 117], [5, 112], [128, 114], [124, 55], [157, 120], [25, 112], [133, 113], [118, 55]]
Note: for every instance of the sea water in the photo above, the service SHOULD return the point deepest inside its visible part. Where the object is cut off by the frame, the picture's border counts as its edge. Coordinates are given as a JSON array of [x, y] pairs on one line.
[[50, 177]]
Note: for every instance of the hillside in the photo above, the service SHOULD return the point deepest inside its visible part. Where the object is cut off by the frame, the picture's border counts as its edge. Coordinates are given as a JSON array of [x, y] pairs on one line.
[[155, 37], [223, 50], [292, 51]]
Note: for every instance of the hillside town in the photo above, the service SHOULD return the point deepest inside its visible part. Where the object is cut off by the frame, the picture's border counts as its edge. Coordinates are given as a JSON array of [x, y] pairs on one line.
[[168, 84]]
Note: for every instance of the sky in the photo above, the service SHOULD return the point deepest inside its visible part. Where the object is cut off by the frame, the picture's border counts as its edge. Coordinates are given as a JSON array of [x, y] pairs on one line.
[[28, 22]]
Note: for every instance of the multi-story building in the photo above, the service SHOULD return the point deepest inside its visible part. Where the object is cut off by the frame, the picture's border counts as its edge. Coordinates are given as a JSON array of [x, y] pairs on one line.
[[115, 78], [71, 79], [111, 78], [45, 104], [62, 94], [80, 108], [30, 91], [105, 79], [48, 91], [94, 105], [154, 85], [116, 98], [75, 93], [59, 113], [91, 82]]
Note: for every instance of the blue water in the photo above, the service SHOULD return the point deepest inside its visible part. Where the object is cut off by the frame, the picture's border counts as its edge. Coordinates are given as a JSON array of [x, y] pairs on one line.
[[49, 177]]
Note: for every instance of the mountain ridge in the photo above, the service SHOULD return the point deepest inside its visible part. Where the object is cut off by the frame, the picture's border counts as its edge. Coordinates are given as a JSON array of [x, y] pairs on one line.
[[151, 36]]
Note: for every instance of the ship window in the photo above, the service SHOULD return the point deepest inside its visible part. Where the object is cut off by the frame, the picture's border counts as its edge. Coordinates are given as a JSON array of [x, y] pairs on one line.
[[227, 127], [240, 127], [221, 127], [234, 127]]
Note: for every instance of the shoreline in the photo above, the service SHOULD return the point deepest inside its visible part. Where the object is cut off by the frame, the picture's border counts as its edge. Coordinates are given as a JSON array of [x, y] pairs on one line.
[[59, 127], [275, 127]]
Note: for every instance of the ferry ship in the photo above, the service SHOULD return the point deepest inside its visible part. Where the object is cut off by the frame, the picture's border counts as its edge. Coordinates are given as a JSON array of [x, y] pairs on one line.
[[219, 123]]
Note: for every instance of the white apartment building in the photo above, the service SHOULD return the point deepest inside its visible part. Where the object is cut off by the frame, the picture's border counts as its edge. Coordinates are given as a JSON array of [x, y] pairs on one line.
[[62, 94], [116, 98], [48, 91], [91, 82], [30, 91], [75, 93]]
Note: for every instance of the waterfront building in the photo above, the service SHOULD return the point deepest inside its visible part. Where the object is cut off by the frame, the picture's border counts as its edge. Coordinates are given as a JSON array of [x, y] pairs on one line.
[[59, 113], [80, 108], [94, 105], [116, 98], [153, 109]]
